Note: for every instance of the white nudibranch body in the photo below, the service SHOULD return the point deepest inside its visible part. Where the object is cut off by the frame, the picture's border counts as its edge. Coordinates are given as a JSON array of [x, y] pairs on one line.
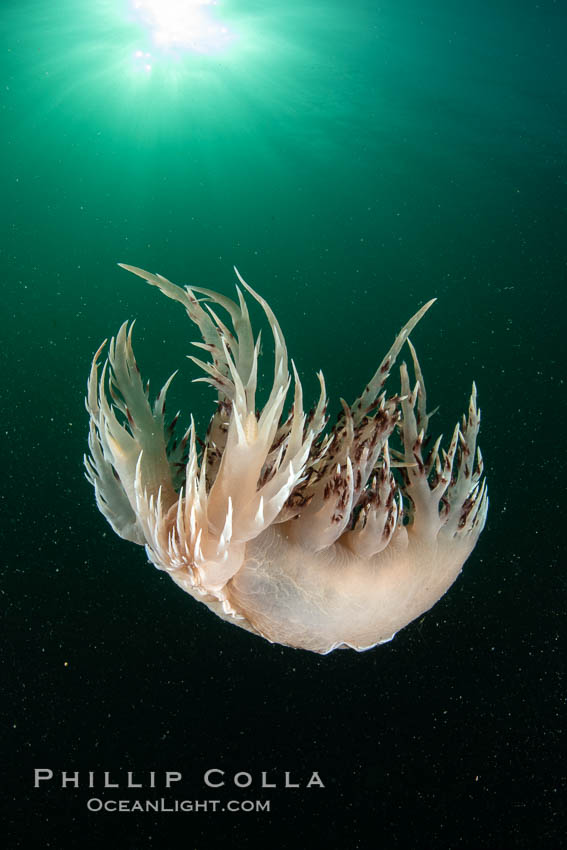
[[317, 541]]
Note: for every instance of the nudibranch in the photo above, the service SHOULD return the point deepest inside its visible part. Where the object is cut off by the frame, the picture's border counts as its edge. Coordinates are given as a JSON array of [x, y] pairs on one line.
[[312, 539]]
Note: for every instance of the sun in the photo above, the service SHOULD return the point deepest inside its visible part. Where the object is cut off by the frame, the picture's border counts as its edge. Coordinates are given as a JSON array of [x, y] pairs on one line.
[[183, 25]]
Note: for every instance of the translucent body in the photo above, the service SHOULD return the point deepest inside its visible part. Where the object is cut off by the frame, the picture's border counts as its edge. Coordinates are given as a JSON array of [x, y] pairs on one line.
[[332, 599], [310, 540]]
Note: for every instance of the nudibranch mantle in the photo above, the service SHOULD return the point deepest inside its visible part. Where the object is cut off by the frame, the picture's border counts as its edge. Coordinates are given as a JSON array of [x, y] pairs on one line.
[[310, 539]]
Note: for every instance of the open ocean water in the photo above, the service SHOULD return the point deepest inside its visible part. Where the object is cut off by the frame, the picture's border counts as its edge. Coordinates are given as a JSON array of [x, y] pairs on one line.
[[352, 159]]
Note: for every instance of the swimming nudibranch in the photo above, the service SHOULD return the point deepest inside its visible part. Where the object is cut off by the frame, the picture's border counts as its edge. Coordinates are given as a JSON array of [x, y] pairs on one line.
[[309, 540]]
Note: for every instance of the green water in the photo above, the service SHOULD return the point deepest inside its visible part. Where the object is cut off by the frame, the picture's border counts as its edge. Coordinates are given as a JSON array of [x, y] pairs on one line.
[[353, 160]]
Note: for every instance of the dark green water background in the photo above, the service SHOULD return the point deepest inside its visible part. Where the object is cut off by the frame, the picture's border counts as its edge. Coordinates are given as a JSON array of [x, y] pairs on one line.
[[353, 160]]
